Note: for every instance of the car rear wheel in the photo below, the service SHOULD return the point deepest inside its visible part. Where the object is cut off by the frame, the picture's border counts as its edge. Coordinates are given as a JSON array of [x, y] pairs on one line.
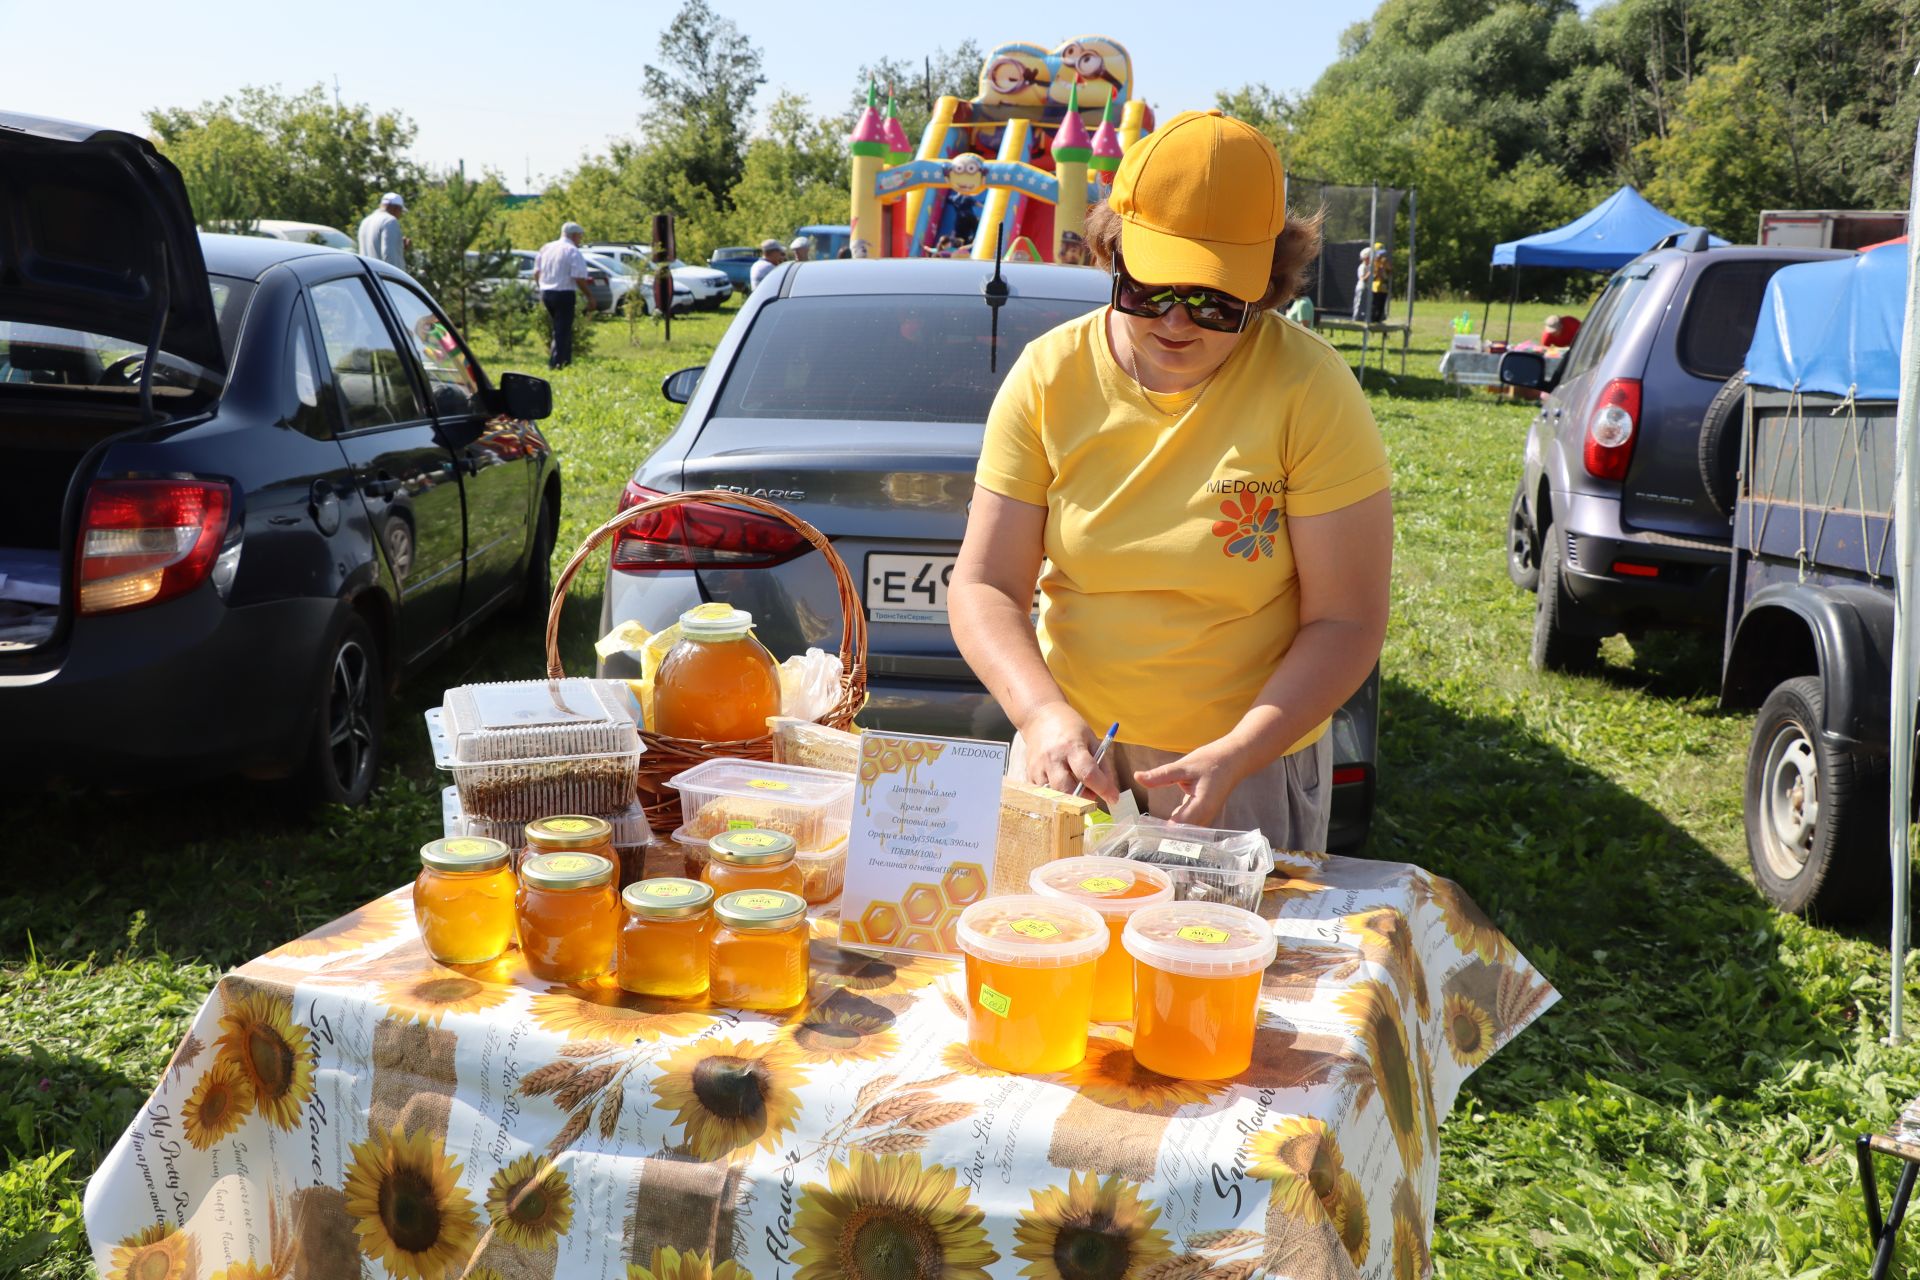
[[1815, 813], [343, 758], [1555, 646], [1523, 548]]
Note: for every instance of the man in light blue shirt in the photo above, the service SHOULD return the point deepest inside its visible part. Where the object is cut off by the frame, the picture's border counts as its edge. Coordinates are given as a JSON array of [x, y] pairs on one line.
[[380, 235], [558, 269]]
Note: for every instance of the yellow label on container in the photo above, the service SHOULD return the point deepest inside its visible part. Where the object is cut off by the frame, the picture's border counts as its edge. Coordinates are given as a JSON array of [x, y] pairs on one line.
[[1035, 928], [668, 890], [1201, 933], [565, 864], [740, 824], [569, 826], [768, 784], [760, 901], [757, 840], [465, 845], [995, 1003], [1104, 884]]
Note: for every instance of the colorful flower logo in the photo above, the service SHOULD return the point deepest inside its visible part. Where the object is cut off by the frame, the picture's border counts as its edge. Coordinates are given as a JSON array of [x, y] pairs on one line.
[[1251, 521]]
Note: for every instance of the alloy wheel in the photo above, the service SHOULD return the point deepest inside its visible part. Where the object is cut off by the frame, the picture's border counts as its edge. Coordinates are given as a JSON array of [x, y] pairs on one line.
[[350, 717]]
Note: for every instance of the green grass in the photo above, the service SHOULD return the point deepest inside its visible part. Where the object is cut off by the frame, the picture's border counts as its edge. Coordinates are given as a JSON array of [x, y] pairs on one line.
[[1686, 1111]]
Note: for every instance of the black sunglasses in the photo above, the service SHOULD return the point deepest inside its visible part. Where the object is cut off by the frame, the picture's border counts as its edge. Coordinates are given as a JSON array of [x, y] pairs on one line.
[[1207, 308]]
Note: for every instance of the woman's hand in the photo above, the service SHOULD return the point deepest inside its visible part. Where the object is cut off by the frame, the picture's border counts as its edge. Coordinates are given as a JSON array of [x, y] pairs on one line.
[[1207, 775], [1060, 750]]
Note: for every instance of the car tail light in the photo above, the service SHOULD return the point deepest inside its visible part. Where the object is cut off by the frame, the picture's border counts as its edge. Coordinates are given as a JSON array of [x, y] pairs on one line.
[[1610, 430], [1348, 774], [700, 535], [143, 541]]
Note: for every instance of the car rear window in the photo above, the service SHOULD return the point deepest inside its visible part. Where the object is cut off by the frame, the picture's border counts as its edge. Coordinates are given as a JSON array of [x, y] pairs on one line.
[[883, 358], [1721, 313], [43, 355]]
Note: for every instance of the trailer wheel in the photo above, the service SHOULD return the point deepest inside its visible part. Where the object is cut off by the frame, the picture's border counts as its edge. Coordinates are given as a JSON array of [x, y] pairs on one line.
[[1816, 814]]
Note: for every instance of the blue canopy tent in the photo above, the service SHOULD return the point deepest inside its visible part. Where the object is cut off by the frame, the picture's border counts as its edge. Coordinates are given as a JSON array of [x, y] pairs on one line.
[[1611, 234]]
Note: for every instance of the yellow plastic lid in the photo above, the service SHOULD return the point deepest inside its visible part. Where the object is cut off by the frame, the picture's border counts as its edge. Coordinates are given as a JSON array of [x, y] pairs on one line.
[[1032, 932], [1200, 939], [1115, 887]]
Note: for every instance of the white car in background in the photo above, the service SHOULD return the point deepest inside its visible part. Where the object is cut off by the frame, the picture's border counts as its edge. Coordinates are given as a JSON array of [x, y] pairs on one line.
[[708, 287], [304, 233], [620, 280]]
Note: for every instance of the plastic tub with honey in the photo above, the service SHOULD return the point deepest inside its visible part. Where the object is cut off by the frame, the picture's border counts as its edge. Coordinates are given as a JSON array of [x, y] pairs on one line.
[[1115, 888], [1030, 972], [758, 956], [463, 899], [568, 914], [751, 860], [664, 935], [1196, 987]]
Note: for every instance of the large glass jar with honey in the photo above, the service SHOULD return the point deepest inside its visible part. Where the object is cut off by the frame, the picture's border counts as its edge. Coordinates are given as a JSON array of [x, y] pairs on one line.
[[1115, 888], [568, 914], [569, 833], [463, 899], [718, 684], [752, 859], [1030, 970], [758, 956], [664, 937], [1196, 987]]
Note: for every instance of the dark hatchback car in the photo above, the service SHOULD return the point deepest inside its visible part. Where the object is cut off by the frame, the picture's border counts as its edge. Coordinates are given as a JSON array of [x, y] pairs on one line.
[[1621, 519], [855, 394], [244, 484]]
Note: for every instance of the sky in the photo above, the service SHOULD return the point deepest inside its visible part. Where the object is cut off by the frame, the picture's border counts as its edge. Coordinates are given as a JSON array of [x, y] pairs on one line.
[[527, 89]]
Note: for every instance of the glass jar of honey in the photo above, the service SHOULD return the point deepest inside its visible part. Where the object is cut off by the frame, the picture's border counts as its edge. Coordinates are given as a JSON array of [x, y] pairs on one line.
[[752, 859], [463, 899], [568, 833], [758, 956], [568, 915], [718, 684], [664, 937], [1196, 987], [1115, 888], [1030, 969]]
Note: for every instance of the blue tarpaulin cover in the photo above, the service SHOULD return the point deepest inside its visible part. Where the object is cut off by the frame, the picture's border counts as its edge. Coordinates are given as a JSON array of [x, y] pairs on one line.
[[1834, 327], [1611, 234]]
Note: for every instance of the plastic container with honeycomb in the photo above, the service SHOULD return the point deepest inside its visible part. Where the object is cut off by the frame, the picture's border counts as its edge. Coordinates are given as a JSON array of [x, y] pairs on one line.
[[1207, 865], [814, 746], [631, 834], [520, 750], [740, 795], [823, 871]]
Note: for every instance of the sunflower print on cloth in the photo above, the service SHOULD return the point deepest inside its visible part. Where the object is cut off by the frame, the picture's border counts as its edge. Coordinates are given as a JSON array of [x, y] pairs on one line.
[[375, 922], [1250, 524], [1467, 924], [161, 1252], [529, 1203], [605, 1012], [1110, 1076], [1373, 1012], [1091, 1229], [1411, 1258], [275, 1053], [431, 997], [221, 1100], [1386, 938], [842, 1028], [1469, 1029], [881, 1217], [730, 1095], [409, 1210], [253, 1271], [1301, 1157], [671, 1264]]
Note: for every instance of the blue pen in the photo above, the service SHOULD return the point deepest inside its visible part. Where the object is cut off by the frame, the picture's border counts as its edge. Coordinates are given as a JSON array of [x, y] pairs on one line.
[[1099, 754]]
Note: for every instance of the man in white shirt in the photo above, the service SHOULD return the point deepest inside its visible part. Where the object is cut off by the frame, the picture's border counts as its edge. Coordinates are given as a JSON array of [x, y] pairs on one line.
[[380, 235], [558, 270], [771, 256]]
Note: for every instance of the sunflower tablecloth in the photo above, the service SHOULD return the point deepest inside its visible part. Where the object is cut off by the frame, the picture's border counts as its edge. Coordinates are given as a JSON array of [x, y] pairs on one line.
[[345, 1106]]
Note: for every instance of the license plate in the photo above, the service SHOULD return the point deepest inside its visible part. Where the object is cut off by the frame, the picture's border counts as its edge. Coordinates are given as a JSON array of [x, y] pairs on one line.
[[908, 588]]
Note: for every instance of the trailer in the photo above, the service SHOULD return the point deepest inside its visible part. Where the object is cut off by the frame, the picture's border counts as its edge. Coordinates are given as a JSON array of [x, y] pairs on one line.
[[1831, 228]]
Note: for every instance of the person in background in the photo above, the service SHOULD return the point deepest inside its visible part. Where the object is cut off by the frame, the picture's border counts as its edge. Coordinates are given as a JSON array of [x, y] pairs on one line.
[[771, 256], [1301, 311], [1559, 331], [1362, 283], [380, 235], [1073, 249], [1382, 277], [558, 269], [801, 249], [846, 251], [943, 247]]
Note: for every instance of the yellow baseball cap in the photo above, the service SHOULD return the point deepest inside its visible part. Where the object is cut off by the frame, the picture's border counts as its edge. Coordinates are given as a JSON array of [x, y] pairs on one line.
[[1200, 201]]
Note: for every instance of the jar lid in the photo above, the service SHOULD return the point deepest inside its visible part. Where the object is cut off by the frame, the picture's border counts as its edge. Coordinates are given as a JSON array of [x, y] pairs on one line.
[[715, 621], [752, 847], [667, 898], [759, 908], [568, 831], [567, 870], [464, 853], [1032, 931], [1115, 887], [1203, 939]]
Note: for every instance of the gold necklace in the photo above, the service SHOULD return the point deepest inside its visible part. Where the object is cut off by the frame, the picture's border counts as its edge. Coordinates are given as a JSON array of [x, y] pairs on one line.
[[1133, 367]]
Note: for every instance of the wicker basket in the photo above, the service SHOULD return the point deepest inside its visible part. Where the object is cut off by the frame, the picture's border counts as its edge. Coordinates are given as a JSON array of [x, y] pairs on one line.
[[667, 757]]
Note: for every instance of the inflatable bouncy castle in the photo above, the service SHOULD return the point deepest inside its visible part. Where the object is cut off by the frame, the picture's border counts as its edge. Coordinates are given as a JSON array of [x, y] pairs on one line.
[[1019, 161]]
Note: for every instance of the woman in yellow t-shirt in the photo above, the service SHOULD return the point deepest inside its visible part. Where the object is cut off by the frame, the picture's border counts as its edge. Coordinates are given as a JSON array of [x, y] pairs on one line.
[[1208, 494]]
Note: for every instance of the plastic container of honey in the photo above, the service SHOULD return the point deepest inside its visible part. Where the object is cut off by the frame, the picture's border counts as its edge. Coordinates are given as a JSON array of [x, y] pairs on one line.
[[1115, 888], [568, 914], [1030, 963], [751, 859], [758, 956], [718, 684], [822, 871], [1196, 987], [665, 931], [738, 795], [463, 899]]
